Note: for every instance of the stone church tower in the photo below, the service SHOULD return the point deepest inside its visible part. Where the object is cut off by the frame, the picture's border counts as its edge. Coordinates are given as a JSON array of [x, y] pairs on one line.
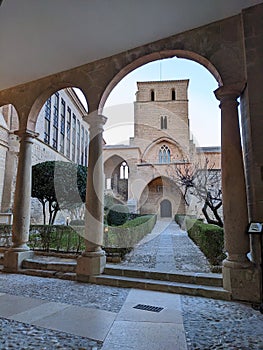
[[161, 120], [161, 141]]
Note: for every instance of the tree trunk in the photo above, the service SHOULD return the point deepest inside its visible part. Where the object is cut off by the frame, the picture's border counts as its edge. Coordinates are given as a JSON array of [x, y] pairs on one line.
[[218, 220]]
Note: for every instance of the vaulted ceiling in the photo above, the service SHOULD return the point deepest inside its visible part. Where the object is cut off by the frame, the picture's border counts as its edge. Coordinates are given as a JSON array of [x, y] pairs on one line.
[[42, 37]]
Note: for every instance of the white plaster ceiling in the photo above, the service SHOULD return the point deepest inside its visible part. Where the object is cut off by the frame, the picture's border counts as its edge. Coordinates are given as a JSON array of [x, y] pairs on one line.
[[42, 37]]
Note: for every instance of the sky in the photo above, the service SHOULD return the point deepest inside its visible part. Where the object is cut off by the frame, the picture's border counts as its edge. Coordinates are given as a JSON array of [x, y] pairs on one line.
[[204, 112]]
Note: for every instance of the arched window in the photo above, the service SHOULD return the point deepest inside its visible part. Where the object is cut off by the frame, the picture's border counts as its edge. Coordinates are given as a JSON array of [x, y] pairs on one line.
[[164, 122], [124, 171], [164, 155], [152, 95], [173, 95]]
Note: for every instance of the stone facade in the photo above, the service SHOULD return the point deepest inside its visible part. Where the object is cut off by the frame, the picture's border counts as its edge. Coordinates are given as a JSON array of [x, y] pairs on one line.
[[63, 135], [161, 142]]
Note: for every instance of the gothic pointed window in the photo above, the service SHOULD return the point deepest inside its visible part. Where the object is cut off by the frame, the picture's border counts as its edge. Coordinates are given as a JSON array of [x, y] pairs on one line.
[[152, 95], [164, 155], [124, 171]]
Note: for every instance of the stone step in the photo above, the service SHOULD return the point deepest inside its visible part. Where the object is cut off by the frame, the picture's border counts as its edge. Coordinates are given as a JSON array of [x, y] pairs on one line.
[[208, 279], [162, 286], [56, 266], [49, 273]]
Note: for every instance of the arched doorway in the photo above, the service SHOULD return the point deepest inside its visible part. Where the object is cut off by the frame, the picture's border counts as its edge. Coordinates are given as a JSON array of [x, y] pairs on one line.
[[165, 209]]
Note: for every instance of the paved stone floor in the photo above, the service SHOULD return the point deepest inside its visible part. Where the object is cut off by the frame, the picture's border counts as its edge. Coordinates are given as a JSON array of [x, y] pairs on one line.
[[45, 313]]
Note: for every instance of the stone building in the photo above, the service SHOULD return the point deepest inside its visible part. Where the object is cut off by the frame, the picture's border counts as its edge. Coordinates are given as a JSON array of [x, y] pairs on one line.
[[143, 173], [62, 135]]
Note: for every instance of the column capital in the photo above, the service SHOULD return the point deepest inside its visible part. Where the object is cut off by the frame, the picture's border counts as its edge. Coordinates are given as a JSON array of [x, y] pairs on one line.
[[230, 92], [95, 121], [24, 133]]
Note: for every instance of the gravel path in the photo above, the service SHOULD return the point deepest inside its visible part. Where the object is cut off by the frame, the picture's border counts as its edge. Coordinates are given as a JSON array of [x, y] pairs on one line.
[[215, 324]]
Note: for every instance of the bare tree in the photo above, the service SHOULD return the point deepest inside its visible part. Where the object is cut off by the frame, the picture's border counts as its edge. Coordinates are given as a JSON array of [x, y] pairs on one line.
[[203, 182]]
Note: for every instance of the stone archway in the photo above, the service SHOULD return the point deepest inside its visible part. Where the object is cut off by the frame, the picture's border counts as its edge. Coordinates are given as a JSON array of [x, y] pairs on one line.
[[165, 209]]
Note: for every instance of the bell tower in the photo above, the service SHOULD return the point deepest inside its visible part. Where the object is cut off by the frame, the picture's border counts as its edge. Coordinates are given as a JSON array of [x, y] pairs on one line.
[[161, 110]]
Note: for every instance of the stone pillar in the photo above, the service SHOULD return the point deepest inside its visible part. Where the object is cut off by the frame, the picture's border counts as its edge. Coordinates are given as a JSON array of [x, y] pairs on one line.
[[93, 260], [22, 204], [239, 276]]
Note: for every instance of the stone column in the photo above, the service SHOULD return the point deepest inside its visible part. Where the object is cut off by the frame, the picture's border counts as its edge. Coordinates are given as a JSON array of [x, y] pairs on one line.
[[22, 204], [238, 272], [93, 260]]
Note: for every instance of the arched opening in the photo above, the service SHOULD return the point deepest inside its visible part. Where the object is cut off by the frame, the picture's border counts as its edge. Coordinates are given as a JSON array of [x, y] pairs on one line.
[[9, 150], [165, 209], [63, 136], [156, 191], [161, 146], [116, 177]]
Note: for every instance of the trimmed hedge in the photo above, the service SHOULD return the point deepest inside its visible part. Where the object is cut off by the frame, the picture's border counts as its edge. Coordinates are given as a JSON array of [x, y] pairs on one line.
[[209, 238], [118, 214], [129, 234]]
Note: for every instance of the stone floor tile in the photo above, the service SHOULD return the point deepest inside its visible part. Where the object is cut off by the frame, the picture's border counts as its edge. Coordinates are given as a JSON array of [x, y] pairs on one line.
[[85, 322], [170, 303], [144, 336], [39, 312], [12, 304]]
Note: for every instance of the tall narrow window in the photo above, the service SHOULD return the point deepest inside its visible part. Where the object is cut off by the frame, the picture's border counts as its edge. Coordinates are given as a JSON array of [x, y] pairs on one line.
[[47, 121], [68, 132], [55, 121], [164, 155], [78, 142], [86, 148], [164, 122], [62, 126], [173, 95], [152, 95], [73, 151], [124, 171], [82, 145]]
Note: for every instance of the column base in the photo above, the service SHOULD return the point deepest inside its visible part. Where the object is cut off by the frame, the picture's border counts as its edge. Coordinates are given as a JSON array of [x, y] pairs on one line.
[[90, 263], [13, 259], [243, 283]]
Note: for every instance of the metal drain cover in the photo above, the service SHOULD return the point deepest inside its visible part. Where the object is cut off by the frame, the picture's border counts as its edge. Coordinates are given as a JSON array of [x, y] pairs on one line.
[[148, 308]]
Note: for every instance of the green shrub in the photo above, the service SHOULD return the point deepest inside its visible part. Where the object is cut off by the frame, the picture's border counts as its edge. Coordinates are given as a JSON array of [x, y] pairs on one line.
[[137, 221], [209, 238], [117, 215]]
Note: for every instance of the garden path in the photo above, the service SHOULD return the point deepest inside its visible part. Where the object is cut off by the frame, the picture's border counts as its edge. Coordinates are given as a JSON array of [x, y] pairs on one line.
[[167, 249]]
